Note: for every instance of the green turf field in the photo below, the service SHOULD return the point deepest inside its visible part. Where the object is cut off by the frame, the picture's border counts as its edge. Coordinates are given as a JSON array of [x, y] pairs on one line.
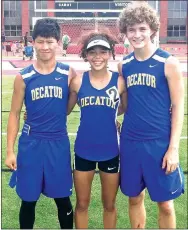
[[46, 213]]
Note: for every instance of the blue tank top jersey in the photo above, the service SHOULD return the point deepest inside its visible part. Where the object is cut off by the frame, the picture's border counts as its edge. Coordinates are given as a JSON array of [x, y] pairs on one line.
[[97, 138], [148, 111], [46, 98]]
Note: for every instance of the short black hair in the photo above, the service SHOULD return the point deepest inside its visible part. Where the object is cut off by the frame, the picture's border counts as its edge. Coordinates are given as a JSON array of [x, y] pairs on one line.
[[46, 28]]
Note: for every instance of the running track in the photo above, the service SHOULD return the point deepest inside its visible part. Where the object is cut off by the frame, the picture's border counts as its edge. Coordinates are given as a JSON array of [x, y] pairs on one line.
[[11, 66]]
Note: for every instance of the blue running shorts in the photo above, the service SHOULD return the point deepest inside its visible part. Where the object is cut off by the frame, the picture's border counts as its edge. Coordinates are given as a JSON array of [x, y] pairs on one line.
[[43, 166], [141, 167]]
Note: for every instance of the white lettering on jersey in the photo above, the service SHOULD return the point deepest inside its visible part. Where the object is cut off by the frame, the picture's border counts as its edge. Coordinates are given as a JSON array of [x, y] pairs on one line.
[[98, 100], [47, 92], [141, 79]]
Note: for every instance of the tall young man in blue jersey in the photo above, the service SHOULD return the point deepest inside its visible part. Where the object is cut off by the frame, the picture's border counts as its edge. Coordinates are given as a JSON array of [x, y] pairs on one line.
[[150, 135], [43, 163]]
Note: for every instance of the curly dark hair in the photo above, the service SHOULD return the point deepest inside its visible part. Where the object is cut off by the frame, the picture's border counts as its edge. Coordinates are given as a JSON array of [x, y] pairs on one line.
[[46, 27], [85, 39], [138, 12]]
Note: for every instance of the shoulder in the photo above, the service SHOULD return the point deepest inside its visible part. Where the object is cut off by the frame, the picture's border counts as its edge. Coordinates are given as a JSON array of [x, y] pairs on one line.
[[172, 61], [172, 67], [128, 59], [18, 77], [120, 80], [77, 79], [19, 82], [27, 72], [119, 66], [72, 73], [26, 69], [76, 82], [161, 55], [115, 74], [62, 68]]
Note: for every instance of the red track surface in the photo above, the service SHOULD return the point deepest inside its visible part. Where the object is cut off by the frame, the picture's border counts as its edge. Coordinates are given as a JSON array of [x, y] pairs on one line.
[[23, 64]]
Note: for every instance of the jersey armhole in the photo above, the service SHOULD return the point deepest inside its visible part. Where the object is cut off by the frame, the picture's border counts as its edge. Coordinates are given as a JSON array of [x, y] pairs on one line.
[[165, 64], [81, 76]]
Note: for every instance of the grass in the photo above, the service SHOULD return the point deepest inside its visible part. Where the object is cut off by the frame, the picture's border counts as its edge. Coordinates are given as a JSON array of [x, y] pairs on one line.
[[46, 213]]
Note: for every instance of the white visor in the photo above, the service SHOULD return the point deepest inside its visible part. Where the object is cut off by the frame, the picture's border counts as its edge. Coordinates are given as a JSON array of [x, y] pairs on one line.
[[98, 42]]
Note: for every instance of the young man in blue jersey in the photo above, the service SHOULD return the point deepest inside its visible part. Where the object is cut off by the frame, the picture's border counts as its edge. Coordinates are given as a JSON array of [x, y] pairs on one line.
[[43, 162], [150, 135], [98, 94]]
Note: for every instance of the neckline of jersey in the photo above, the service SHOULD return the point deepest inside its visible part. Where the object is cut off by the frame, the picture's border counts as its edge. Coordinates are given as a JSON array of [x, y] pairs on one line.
[[103, 87], [147, 58], [48, 73]]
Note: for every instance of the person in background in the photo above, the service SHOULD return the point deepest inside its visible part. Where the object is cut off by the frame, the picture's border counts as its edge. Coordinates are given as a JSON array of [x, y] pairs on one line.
[[25, 43], [126, 46], [3, 40], [65, 42], [13, 48]]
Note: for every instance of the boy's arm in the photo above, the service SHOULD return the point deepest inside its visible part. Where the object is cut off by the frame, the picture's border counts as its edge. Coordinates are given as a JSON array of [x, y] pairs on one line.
[[176, 88], [123, 96], [123, 106], [72, 74], [73, 90], [120, 68], [14, 119]]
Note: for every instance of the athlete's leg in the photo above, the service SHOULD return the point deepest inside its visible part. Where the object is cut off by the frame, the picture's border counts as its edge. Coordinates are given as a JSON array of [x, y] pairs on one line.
[[28, 178], [65, 212], [131, 180], [137, 212], [24, 55], [63, 51], [110, 184], [82, 183], [163, 188], [66, 52], [84, 172], [109, 175], [167, 217], [27, 214]]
